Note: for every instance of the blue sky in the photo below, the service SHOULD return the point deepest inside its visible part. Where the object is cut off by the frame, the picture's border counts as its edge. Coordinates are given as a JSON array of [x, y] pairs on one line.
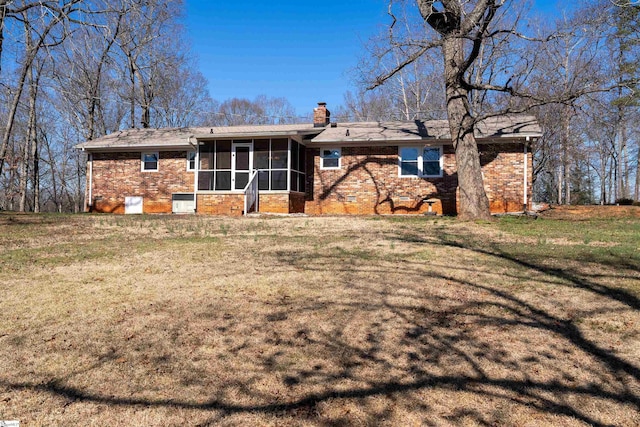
[[300, 50]]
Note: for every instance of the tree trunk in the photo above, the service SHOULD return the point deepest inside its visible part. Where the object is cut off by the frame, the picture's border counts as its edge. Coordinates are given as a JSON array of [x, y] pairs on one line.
[[132, 92], [52, 169], [33, 136], [626, 188], [11, 192], [474, 203], [637, 190], [560, 185], [620, 154], [3, 14], [565, 182], [35, 175], [603, 177], [29, 142], [566, 168], [23, 173]]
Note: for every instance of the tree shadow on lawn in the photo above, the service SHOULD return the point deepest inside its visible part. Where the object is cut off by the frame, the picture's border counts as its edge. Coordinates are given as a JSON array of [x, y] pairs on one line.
[[434, 339]]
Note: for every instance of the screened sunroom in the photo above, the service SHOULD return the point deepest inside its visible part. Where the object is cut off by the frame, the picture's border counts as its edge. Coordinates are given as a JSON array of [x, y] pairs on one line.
[[229, 168], [227, 165]]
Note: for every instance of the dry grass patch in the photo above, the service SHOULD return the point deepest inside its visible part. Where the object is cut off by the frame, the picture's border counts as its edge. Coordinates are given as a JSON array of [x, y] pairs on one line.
[[318, 321]]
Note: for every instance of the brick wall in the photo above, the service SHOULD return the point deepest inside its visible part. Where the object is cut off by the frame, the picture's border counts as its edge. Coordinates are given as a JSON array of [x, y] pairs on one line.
[[118, 175], [503, 170], [368, 182], [220, 204], [296, 203], [233, 204], [274, 203]]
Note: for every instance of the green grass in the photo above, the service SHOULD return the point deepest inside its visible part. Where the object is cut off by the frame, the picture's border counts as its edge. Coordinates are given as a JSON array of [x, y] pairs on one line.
[[609, 242]]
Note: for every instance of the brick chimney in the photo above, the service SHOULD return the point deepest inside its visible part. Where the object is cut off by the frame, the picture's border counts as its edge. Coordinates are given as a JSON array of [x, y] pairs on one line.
[[321, 115]]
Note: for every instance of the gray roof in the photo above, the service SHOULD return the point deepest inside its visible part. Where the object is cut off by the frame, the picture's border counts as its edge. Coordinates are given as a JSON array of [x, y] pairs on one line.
[[168, 138], [143, 138], [495, 127], [513, 126], [259, 130]]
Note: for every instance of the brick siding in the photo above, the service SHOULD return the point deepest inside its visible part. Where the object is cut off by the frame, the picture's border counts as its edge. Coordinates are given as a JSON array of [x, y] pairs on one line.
[[118, 175], [368, 182], [220, 204], [503, 170], [233, 204]]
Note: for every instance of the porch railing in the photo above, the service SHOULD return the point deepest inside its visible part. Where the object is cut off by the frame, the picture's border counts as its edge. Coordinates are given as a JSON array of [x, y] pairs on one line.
[[251, 194]]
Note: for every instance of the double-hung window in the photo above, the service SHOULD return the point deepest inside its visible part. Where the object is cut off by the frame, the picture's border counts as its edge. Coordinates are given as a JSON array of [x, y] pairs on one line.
[[330, 158], [149, 162], [420, 161], [191, 161]]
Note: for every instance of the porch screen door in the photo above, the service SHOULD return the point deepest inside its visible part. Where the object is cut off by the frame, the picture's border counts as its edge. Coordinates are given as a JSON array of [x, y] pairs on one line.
[[241, 165]]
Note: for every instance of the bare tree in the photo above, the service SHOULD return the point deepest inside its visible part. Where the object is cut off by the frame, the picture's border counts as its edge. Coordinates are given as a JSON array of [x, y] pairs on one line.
[[261, 111], [624, 43], [182, 98], [491, 67], [461, 28], [41, 19], [66, 86]]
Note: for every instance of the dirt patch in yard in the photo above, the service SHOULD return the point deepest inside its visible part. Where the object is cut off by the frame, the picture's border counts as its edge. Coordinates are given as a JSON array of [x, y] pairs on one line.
[[318, 321], [577, 213]]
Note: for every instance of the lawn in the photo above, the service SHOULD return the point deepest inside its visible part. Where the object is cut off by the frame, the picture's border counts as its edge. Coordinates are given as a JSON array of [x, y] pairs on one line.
[[322, 321]]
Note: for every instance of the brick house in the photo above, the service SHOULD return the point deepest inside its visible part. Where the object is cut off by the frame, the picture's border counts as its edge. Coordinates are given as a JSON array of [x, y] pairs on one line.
[[315, 168]]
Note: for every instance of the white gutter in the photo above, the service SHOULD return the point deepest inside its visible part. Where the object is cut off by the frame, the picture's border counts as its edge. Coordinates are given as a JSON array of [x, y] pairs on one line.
[[526, 181], [195, 174]]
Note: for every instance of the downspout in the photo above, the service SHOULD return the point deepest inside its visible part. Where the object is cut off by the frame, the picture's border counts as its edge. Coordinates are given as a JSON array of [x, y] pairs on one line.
[[526, 181], [88, 202], [91, 181], [195, 174]]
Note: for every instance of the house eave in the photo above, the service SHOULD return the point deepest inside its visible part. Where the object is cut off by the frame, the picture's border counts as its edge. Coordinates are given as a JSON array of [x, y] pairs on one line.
[[248, 135], [124, 148], [355, 142]]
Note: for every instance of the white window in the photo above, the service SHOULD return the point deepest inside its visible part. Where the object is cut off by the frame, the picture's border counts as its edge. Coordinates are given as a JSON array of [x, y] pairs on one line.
[[420, 161], [150, 162], [432, 161], [191, 161], [330, 158]]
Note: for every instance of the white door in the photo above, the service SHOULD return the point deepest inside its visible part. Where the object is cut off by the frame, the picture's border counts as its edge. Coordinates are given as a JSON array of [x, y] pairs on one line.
[[240, 166], [133, 205]]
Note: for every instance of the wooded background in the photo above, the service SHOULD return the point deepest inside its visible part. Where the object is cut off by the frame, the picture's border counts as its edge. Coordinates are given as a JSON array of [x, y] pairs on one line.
[[74, 70]]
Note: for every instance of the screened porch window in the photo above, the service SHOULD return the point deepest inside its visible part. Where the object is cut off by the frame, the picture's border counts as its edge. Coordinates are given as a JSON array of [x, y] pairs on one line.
[[215, 166], [280, 164]]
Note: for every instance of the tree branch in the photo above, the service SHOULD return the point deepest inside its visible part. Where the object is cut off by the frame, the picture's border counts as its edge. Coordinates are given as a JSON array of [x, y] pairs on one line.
[[379, 80]]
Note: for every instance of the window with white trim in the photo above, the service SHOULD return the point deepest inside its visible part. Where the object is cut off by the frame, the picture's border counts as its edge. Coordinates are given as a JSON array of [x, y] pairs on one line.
[[423, 162], [330, 158], [191, 161], [149, 161]]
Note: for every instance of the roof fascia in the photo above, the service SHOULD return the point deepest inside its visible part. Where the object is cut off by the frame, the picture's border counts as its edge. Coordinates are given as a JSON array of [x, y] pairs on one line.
[[137, 148], [263, 134], [426, 141]]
